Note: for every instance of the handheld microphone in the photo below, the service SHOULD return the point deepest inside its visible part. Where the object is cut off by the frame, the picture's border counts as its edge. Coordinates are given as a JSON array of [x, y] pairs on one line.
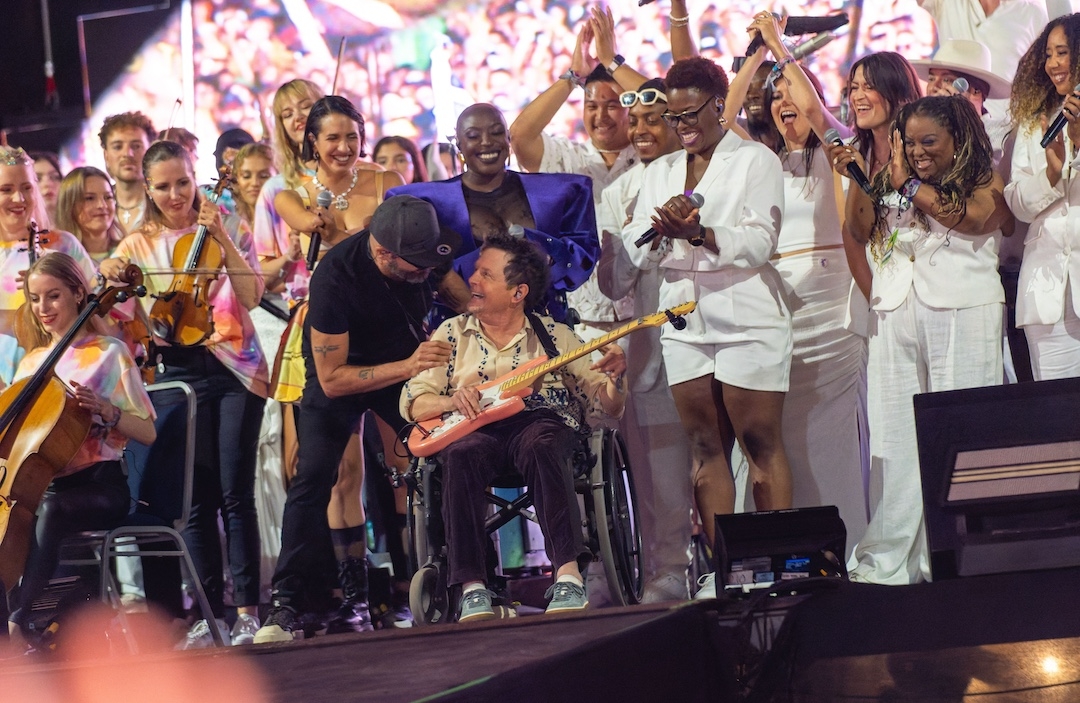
[[1059, 123], [650, 234], [516, 231], [809, 47], [804, 25], [961, 85], [323, 200], [856, 173]]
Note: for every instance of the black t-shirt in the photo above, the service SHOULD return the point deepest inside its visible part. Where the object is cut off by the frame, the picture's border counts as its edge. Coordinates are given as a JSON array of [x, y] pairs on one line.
[[348, 293]]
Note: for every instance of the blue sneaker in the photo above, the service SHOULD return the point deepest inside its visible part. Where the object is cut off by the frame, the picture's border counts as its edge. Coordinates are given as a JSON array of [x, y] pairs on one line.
[[476, 605], [566, 597]]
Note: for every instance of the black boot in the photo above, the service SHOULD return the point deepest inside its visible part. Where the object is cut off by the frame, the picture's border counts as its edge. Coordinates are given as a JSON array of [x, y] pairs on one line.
[[353, 615]]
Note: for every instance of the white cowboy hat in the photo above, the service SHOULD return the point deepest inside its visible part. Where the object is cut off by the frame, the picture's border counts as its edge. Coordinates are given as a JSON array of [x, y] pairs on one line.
[[965, 56]]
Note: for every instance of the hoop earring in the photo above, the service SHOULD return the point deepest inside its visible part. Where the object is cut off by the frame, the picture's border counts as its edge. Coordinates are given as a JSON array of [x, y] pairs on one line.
[[316, 155]]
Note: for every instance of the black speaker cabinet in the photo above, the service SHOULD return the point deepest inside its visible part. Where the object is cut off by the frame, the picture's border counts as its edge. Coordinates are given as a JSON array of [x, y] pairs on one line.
[[1000, 473]]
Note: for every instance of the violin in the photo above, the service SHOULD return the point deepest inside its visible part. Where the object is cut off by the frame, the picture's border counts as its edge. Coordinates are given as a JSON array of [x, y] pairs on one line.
[[36, 239], [41, 430], [183, 315]]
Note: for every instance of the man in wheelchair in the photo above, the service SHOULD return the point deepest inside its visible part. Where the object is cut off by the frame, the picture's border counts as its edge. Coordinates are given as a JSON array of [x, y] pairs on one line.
[[496, 336]]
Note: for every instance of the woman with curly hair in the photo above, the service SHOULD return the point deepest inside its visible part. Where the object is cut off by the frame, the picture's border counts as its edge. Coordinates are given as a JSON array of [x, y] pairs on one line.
[[1041, 191], [933, 223], [728, 368]]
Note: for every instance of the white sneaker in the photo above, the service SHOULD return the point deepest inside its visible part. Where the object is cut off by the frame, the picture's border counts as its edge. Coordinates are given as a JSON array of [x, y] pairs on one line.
[[706, 587], [200, 637], [244, 630], [664, 588]]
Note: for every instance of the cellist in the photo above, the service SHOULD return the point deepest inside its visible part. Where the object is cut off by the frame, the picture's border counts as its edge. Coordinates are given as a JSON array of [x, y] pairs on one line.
[[91, 492], [227, 371]]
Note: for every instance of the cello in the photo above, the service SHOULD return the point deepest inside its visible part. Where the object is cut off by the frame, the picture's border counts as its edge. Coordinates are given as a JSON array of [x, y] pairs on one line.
[[183, 315], [41, 429]]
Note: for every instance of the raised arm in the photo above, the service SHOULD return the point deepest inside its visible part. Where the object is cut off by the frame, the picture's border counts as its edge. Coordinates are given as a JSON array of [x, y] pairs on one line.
[[682, 40], [803, 93], [737, 90], [603, 24], [526, 133]]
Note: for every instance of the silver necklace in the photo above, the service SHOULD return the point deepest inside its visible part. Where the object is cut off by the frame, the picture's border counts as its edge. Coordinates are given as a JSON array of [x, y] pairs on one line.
[[340, 201]]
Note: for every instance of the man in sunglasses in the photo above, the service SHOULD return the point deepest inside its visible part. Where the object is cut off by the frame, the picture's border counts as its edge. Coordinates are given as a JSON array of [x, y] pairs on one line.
[[651, 424]]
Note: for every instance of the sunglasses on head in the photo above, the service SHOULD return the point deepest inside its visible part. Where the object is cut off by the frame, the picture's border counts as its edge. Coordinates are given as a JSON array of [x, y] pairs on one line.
[[648, 96]]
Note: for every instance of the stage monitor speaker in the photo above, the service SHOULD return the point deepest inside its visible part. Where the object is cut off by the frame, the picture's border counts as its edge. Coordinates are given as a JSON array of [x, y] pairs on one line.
[[1000, 473], [776, 545]]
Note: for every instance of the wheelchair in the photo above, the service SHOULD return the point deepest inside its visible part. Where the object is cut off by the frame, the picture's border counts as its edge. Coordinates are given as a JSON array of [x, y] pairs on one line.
[[610, 525]]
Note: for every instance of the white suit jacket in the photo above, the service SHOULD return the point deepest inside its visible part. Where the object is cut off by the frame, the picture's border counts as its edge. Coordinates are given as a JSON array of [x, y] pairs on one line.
[[1054, 214]]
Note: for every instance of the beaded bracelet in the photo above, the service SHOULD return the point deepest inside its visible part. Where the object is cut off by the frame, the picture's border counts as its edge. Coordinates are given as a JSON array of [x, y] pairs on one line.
[[777, 69]]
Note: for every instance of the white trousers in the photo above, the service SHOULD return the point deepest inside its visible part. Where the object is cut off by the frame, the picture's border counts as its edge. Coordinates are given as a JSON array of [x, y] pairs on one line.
[[914, 349], [1055, 349]]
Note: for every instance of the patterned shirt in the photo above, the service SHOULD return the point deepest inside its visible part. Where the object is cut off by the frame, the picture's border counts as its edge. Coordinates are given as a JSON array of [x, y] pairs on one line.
[[234, 341], [105, 366], [271, 236], [572, 392], [13, 259]]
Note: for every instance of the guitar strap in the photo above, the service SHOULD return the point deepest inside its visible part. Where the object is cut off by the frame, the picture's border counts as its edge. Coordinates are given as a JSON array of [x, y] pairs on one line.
[[542, 334]]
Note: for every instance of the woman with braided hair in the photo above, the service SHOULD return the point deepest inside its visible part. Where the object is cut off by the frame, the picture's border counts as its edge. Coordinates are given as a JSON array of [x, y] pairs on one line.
[[932, 223]]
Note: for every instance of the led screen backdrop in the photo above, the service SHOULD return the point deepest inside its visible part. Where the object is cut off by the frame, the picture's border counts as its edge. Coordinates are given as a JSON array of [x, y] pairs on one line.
[[402, 57]]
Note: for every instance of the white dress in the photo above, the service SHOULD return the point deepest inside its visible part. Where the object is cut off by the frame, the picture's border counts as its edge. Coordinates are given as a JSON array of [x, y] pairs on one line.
[[825, 406]]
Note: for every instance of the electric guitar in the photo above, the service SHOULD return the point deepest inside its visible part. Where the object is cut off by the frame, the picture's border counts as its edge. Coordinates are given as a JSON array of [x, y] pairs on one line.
[[505, 396]]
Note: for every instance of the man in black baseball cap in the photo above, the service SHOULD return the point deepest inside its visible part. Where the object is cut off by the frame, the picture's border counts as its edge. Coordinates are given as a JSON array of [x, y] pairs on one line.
[[363, 338], [409, 228]]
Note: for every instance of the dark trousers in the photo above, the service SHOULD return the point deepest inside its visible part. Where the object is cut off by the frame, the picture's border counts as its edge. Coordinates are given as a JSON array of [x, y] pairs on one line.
[[95, 498], [536, 445], [228, 418], [323, 430]]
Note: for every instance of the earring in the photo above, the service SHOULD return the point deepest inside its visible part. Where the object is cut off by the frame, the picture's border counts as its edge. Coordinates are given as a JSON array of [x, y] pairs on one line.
[[722, 120], [461, 157], [316, 155]]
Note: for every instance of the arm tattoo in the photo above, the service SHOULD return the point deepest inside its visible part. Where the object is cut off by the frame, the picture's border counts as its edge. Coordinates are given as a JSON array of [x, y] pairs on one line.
[[326, 349], [367, 374]]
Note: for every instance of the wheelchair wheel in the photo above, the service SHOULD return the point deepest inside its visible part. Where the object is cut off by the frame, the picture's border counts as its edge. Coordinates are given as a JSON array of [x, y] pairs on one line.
[[617, 520], [428, 595]]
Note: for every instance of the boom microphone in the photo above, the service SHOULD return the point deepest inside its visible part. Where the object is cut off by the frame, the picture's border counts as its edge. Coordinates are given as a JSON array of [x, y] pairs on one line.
[[809, 47], [804, 25], [650, 234], [856, 173], [322, 200], [1059, 123]]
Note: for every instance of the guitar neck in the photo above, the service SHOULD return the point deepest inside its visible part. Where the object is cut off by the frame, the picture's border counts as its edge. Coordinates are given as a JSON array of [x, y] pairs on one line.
[[529, 377]]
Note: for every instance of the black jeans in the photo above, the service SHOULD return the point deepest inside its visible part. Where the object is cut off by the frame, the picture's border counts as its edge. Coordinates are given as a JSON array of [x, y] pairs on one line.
[[323, 429], [95, 498], [538, 446], [228, 418]]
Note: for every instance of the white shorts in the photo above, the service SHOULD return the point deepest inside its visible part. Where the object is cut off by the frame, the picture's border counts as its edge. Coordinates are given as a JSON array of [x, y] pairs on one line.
[[740, 333]]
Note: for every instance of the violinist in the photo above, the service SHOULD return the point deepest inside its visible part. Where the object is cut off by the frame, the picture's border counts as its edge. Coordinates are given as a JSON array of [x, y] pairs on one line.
[[20, 206], [91, 492], [227, 371]]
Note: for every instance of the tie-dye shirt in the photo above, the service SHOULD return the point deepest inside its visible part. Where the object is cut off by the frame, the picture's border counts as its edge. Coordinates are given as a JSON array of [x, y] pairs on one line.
[[272, 236], [13, 259], [104, 365], [234, 341]]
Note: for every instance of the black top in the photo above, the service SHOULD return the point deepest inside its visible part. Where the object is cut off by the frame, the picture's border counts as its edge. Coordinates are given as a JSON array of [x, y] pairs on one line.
[[496, 211], [348, 293]]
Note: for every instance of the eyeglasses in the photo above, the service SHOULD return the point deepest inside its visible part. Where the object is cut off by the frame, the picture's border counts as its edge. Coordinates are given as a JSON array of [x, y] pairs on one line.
[[688, 118], [649, 96]]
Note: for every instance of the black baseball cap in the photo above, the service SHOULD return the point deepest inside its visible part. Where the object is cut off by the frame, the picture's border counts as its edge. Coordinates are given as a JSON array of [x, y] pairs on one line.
[[409, 227]]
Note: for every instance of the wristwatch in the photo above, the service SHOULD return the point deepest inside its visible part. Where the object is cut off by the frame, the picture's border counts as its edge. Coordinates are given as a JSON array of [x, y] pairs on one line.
[[699, 239], [615, 63]]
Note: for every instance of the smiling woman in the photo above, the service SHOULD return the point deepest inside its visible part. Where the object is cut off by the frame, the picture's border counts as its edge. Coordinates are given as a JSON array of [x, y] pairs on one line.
[[20, 210], [933, 220]]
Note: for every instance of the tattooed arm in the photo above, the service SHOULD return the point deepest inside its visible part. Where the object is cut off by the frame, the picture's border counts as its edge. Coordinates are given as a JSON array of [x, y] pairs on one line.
[[337, 377]]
